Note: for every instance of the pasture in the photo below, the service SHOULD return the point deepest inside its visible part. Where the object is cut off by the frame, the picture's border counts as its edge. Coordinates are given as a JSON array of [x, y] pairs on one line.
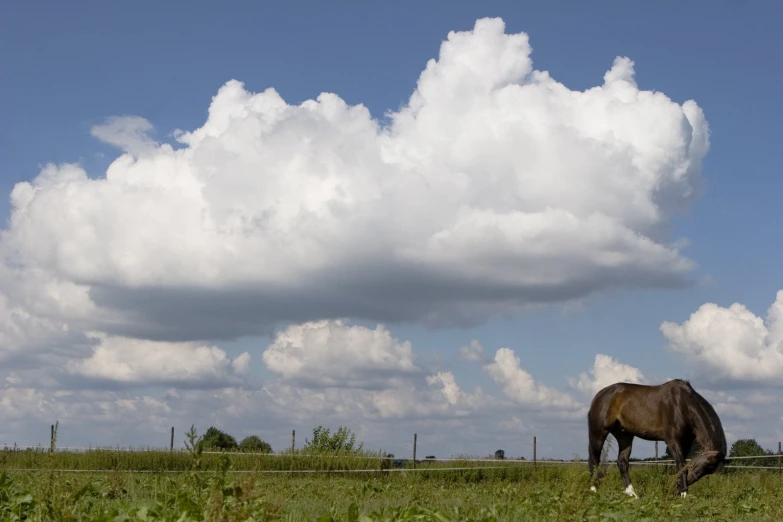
[[182, 486]]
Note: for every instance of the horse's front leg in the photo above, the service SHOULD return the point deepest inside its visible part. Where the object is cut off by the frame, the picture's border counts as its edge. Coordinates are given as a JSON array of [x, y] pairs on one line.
[[624, 445], [676, 448]]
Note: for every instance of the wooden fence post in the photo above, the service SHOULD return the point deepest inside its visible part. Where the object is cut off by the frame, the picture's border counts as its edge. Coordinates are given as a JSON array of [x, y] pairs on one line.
[[414, 451], [293, 440], [534, 451], [171, 444], [656, 452], [778, 456], [51, 439]]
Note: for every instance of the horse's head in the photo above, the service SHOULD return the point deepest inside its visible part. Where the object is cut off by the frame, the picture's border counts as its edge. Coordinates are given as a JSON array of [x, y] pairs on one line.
[[706, 463]]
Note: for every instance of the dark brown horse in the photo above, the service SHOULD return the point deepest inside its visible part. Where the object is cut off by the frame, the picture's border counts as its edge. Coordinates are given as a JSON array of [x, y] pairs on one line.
[[672, 412]]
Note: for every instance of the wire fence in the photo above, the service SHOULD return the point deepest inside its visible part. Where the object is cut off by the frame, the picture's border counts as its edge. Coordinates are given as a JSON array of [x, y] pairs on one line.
[[288, 454], [508, 463]]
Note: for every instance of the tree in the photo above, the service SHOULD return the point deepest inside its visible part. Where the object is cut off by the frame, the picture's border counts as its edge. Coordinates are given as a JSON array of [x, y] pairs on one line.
[[500, 454], [215, 439], [748, 448], [256, 444], [343, 440]]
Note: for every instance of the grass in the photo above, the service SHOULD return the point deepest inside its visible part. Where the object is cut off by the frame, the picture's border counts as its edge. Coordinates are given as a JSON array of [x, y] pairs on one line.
[[208, 487]]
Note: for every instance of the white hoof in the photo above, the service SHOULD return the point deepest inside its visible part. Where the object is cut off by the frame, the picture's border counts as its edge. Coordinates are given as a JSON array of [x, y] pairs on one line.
[[592, 488], [684, 494], [630, 492]]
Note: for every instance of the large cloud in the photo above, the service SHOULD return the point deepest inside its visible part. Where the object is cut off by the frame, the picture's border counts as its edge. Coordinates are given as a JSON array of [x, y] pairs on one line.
[[329, 353], [732, 344], [494, 186]]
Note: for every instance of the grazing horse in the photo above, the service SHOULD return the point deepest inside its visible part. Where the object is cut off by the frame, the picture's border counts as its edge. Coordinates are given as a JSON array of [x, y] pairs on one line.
[[672, 412]]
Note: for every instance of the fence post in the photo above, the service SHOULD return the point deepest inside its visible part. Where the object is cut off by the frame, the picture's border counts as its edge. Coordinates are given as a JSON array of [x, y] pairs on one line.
[[414, 451], [534, 451], [51, 439], [778, 456], [171, 444], [293, 440], [656, 452]]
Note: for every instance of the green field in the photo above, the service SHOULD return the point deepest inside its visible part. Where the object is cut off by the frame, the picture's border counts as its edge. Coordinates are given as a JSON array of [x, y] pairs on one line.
[[181, 486]]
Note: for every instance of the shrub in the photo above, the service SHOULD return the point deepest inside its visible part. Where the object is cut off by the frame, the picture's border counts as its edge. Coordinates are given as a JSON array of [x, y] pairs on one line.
[[342, 441], [255, 443], [215, 439]]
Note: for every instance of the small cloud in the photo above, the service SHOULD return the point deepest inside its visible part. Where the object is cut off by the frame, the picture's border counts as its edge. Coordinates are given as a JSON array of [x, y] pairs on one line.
[[472, 352], [606, 371], [128, 133]]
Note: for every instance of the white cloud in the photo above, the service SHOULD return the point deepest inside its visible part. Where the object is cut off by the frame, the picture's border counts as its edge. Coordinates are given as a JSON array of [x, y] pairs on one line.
[[606, 371], [494, 186], [329, 353], [141, 362], [449, 387], [522, 388], [472, 352], [129, 133], [732, 344]]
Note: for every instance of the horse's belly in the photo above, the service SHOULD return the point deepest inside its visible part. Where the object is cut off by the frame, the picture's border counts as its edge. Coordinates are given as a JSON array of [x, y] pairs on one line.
[[649, 435]]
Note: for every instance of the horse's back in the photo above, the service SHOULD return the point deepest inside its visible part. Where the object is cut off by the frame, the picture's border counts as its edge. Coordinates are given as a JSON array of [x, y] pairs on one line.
[[639, 408]]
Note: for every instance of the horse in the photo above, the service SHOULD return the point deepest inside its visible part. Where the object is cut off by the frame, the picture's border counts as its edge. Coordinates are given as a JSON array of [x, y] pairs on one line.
[[672, 412]]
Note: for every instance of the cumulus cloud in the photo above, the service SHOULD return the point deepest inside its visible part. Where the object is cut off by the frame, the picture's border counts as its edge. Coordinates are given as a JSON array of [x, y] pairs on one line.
[[494, 186], [139, 362], [605, 371], [732, 344], [330, 353], [522, 388]]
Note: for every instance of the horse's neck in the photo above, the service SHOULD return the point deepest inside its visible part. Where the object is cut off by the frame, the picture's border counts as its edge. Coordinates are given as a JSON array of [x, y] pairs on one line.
[[704, 427]]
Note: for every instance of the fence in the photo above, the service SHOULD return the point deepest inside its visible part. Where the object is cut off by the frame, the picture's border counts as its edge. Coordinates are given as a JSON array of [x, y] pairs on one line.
[[291, 454]]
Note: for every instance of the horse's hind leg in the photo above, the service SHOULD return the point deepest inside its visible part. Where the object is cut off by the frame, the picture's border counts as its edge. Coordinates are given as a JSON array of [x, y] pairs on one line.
[[624, 444], [597, 436]]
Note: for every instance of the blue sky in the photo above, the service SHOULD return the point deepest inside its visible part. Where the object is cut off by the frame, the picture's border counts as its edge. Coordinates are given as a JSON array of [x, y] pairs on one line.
[[66, 68]]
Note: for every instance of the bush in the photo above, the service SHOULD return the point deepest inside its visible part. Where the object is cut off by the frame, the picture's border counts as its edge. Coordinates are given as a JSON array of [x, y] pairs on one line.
[[215, 439], [342, 441], [749, 448], [255, 443]]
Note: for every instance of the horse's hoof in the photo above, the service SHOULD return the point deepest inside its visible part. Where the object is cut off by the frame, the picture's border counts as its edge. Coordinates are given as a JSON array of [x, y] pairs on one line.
[[630, 492], [592, 488], [683, 493]]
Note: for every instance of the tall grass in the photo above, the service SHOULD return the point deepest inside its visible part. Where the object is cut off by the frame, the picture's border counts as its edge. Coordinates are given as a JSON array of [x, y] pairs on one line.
[[511, 490]]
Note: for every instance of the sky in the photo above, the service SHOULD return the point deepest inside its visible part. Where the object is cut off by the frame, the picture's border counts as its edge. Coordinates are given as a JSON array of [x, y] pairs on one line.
[[459, 221]]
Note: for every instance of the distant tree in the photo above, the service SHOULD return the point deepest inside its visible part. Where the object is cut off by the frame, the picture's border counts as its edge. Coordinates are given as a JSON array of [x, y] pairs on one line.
[[500, 454], [256, 444], [342, 441], [429, 457], [748, 448], [215, 439]]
